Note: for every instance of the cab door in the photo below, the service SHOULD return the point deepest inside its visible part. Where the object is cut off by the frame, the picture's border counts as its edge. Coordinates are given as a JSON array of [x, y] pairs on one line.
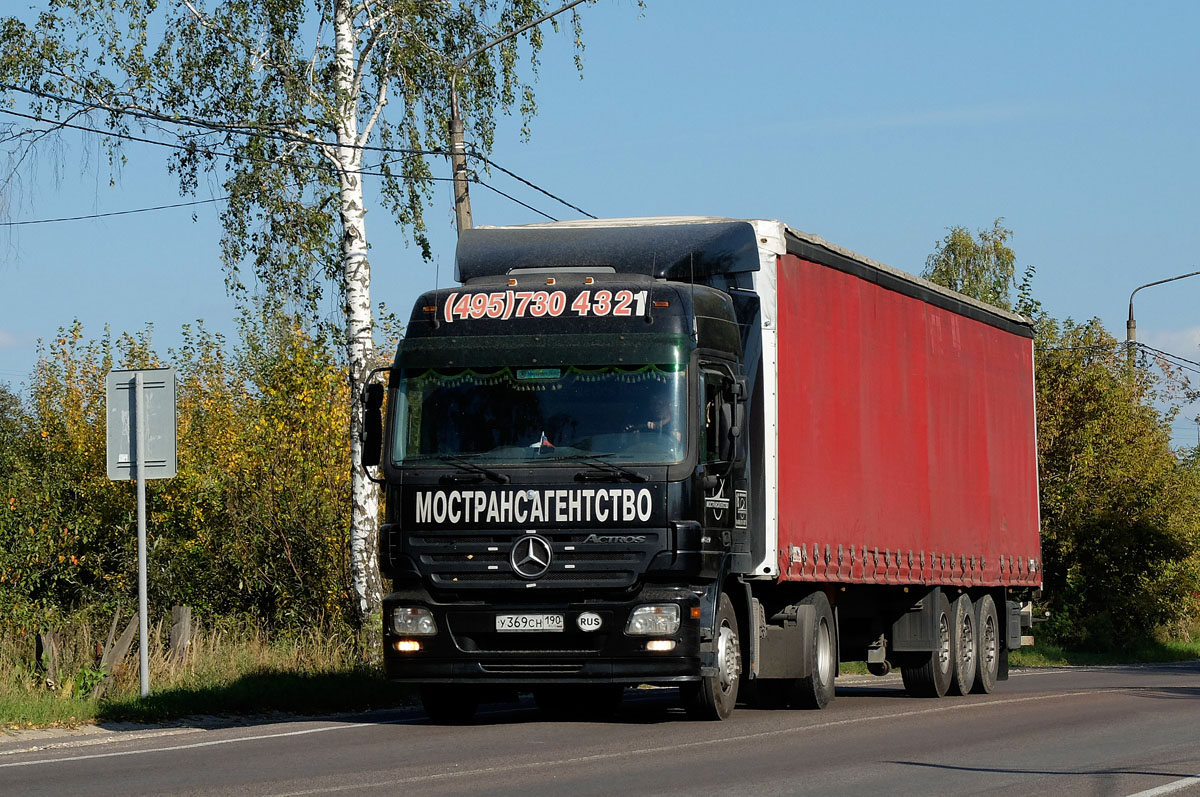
[[722, 460]]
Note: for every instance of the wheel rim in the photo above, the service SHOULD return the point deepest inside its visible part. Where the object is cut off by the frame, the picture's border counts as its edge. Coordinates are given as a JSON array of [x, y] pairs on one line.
[[824, 653], [990, 645], [943, 643], [966, 650], [727, 657]]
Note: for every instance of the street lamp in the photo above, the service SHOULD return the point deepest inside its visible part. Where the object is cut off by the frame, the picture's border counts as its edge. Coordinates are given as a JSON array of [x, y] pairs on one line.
[[458, 148], [1131, 325]]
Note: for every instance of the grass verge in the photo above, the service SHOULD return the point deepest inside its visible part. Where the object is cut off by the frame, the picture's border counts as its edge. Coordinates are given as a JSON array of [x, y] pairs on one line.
[[226, 672], [1046, 655]]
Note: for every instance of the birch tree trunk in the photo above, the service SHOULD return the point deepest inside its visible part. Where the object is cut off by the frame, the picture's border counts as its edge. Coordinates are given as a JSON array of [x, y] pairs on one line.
[[356, 283]]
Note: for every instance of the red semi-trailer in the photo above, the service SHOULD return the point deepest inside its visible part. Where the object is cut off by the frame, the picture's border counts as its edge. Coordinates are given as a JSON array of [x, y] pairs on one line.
[[713, 453], [907, 449]]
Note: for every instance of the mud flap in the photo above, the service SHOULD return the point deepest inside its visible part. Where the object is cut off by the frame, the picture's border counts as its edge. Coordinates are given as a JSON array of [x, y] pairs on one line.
[[784, 651]]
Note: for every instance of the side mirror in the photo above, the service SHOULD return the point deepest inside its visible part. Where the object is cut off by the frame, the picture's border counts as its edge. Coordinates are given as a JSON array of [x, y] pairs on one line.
[[372, 431]]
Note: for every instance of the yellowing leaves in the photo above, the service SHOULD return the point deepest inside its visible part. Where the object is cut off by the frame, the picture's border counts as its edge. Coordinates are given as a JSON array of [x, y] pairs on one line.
[[261, 496]]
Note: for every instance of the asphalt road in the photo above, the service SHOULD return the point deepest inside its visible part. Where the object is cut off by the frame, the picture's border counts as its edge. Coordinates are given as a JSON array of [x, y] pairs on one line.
[[1114, 730]]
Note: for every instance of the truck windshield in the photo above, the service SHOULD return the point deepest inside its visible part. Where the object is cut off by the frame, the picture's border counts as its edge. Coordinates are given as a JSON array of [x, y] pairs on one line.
[[523, 414]]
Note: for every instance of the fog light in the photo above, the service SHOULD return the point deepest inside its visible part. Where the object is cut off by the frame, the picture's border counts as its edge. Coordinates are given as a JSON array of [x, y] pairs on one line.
[[407, 645], [413, 621], [660, 645], [654, 619]]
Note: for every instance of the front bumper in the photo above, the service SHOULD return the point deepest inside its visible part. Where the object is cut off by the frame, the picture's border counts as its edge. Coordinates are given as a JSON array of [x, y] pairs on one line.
[[469, 649]]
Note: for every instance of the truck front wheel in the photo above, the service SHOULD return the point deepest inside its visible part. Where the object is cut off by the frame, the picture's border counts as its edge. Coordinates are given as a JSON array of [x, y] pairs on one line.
[[714, 697]]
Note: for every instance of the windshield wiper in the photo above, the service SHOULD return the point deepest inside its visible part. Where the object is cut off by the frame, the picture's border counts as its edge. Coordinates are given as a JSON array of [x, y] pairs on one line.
[[608, 468], [466, 464]]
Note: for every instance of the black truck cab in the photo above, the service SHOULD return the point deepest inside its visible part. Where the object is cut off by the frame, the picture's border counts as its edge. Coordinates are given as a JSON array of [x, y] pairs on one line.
[[565, 481]]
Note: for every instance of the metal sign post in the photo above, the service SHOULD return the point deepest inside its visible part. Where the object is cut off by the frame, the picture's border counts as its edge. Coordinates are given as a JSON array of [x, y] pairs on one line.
[[141, 439]]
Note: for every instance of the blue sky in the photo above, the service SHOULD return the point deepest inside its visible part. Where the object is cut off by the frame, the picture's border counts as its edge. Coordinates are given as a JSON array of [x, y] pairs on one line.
[[874, 125]]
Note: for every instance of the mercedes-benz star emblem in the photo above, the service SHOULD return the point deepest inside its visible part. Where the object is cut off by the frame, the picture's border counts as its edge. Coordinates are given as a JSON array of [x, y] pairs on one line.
[[531, 556]]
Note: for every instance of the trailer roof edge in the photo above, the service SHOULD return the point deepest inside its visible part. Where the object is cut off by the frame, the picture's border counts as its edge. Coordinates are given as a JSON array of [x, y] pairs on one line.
[[918, 283]]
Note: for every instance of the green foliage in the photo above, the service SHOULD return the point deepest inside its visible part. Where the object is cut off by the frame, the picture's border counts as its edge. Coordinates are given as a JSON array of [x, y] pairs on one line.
[[983, 269], [1120, 519], [1146, 651], [1120, 510], [290, 103], [254, 523]]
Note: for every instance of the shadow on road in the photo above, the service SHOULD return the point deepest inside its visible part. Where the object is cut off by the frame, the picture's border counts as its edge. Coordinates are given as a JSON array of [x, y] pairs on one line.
[[1067, 772]]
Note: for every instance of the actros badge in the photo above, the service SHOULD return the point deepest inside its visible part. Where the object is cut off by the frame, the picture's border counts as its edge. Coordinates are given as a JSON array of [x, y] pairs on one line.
[[530, 556]]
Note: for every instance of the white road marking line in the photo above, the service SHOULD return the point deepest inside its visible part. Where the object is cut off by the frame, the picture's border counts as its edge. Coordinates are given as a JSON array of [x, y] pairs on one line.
[[109, 738], [188, 746], [1167, 788]]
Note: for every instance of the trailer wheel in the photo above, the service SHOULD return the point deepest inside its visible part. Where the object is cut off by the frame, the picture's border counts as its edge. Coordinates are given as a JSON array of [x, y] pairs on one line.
[[448, 704], [714, 696], [965, 646], [929, 674], [815, 690], [987, 635]]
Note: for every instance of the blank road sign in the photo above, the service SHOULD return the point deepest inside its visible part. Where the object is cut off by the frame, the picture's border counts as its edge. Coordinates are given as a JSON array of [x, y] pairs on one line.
[[158, 391]]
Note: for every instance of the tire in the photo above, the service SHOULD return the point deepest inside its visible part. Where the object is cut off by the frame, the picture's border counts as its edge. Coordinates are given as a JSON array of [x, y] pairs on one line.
[[815, 690], [449, 704], [587, 701], [987, 640], [965, 646], [929, 674], [714, 696]]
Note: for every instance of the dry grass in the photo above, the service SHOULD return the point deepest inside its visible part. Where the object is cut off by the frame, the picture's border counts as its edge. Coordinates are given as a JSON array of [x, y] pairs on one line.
[[226, 671]]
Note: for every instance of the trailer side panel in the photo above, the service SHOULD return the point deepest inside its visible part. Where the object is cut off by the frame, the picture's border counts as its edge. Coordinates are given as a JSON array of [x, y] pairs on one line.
[[906, 438]]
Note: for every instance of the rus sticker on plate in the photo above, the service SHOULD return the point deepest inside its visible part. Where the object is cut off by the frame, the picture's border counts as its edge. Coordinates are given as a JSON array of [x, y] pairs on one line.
[[529, 622]]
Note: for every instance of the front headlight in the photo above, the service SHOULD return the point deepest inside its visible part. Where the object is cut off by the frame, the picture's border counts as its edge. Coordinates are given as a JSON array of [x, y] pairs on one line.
[[413, 621], [654, 619]]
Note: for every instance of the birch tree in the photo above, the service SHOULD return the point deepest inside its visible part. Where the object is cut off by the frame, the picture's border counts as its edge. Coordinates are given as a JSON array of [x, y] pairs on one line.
[[983, 269], [289, 105]]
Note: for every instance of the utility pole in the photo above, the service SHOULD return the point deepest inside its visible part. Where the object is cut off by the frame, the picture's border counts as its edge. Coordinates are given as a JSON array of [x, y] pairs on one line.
[[458, 147], [458, 162]]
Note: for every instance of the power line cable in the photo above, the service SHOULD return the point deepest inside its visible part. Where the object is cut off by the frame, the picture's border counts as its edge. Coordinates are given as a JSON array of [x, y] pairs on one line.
[[1168, 354], [251, 132], [114, 213], [130, 211], [208, 126], [514, 199], [518, 178], [56, 123]]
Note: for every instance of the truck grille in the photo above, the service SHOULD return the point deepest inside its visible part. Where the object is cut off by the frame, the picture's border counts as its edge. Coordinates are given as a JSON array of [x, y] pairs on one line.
[[478, 560]]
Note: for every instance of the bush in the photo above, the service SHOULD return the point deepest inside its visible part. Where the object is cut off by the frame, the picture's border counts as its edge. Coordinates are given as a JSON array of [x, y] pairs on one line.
[[254, 524]]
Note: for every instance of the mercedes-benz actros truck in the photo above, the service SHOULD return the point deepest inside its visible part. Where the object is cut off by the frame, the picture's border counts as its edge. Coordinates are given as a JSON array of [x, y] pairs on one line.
[[723, 455]]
